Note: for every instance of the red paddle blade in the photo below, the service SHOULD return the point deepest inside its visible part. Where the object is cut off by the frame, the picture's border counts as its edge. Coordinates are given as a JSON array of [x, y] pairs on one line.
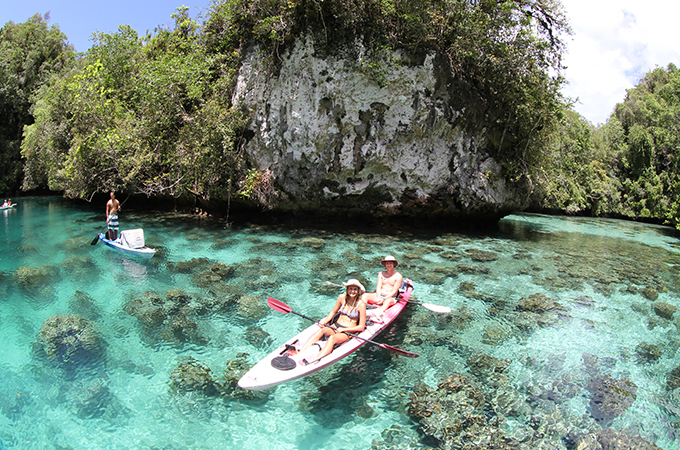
[[399, 351], [278, 306]]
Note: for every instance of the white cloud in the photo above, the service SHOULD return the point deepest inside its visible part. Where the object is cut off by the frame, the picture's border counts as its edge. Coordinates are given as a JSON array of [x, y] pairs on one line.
[[615, 43]]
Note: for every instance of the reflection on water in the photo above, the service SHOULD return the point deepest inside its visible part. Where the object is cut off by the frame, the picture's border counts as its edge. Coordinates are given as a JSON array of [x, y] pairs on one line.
[[563, 334]]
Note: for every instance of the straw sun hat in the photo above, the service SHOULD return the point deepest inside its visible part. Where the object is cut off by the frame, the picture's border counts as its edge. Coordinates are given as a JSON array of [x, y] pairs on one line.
[[355, 282], [390, 258]]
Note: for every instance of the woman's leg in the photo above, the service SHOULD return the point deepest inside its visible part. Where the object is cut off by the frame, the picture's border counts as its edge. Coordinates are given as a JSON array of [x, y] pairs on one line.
[[337, 338], [325, 331]]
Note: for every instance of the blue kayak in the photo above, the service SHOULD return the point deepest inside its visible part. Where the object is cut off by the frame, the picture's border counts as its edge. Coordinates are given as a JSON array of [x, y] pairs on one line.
[[130, 242]]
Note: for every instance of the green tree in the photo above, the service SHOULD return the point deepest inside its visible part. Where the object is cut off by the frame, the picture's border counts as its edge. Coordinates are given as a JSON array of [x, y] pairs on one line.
[[577, 173], [143, 115], [644, 132], [31, 54]]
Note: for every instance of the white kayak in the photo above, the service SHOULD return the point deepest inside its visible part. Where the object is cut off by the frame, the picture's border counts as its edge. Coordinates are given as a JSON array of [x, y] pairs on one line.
[[278, 367], [130, 242], [7, 207]]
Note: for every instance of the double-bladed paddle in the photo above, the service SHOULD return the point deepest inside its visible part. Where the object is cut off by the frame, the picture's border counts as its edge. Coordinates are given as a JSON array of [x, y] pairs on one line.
[[281, 307], [434, 308]]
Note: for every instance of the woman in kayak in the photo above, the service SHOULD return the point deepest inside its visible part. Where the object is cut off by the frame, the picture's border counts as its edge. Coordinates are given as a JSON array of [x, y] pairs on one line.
[[347, 316]]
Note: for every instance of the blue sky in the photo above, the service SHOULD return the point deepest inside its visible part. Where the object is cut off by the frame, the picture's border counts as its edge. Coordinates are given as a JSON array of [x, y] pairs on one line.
[[615, 42], [78, 19]]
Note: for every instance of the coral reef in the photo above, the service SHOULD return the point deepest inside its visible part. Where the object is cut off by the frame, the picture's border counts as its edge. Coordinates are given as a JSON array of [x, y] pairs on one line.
[[455, 415], [252, 307], [168, 318], [191, 375], [35, 280], [70, 340], [647, 352], [664, 310]]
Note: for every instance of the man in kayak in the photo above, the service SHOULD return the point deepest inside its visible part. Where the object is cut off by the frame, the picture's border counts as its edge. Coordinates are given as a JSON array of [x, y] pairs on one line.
[[387, 289], [347, 316], [112, 208]]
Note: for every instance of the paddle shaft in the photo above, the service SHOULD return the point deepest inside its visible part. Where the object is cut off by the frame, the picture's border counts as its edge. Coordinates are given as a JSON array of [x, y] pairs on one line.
[[282, 307], [385, 346]]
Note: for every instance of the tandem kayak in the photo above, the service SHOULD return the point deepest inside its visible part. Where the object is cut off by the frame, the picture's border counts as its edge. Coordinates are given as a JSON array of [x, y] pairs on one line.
[[130, 242], [7, 207], [278, 367]]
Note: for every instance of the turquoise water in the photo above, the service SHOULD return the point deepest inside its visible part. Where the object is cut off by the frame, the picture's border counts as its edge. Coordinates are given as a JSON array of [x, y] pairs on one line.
[[125, 395]]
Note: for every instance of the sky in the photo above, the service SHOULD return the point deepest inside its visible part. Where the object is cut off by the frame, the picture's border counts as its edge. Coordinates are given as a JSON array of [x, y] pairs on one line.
[[615, 42]]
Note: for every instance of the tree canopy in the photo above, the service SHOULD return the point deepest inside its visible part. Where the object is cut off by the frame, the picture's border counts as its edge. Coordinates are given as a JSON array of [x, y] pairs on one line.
[[153, 114], [31, 54]]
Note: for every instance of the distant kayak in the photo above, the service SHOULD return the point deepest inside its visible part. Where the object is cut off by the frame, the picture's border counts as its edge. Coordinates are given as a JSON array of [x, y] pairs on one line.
[[8, 207], [130, 242], [278, 367]]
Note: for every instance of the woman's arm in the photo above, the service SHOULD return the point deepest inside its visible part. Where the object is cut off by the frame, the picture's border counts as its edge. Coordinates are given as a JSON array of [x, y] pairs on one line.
[[335, 309]]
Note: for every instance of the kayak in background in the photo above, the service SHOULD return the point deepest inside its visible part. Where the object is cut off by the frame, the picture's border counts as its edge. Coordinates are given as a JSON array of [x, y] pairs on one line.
[[130, 242]]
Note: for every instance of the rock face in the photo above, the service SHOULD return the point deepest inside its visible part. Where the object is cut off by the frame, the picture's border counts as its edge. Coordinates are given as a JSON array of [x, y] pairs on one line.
[[346, 134]]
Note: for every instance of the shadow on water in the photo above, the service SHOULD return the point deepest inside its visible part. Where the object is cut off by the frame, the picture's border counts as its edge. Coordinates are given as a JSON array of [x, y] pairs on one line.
[[338, 401]]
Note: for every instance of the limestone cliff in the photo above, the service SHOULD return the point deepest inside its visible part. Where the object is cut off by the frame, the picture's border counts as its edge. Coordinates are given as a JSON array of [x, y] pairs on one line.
[[344, 134]]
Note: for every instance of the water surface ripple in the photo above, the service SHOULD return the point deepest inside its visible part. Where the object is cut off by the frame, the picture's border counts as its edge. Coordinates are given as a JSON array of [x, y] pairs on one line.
[[563, 331]]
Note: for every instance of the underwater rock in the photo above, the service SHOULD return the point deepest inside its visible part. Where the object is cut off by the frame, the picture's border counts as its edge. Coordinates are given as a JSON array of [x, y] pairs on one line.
[[495, 335], [436, 277], [93, 401], [450, 255], [215, 273], [647, 352], [615, 440], [168, 318], [257, 336], [191, 375], [664, 310], [650, 293], [80, 266], [537, 310], [464, 268], [673, 381], [252, 307], [539, 303], [34, 279], [481, 255], [484, 365], [397, 438], [233, 372], [184, 329], [315, 243], [69, 340], [191, 266], [467, 288], [365, 411], [610, 398], [456, 416]]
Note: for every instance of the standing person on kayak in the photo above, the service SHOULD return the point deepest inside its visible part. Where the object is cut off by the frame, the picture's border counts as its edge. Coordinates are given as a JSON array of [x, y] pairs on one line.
[[387, 289], [112, 208], [347, 316]]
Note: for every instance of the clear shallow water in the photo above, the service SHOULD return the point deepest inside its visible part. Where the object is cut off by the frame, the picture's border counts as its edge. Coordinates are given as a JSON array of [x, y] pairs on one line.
[[595, 272]]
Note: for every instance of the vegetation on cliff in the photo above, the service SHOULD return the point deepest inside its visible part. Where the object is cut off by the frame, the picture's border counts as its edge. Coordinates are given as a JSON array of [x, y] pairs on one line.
[[153, 114]]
